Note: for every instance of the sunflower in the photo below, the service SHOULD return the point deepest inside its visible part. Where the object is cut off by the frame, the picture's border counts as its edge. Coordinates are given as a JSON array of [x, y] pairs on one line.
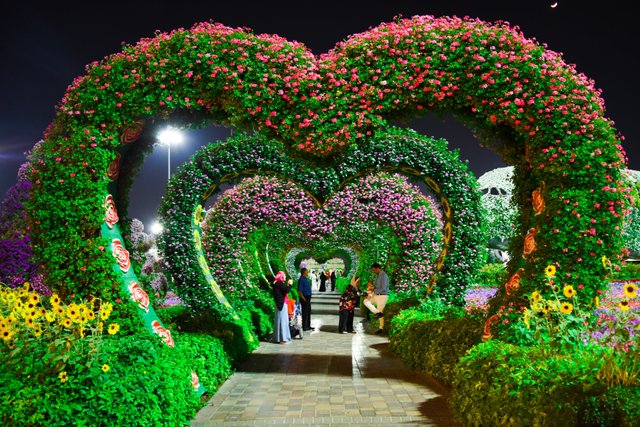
[[113, 328], [50, 316], [6, 334], [63, 376], [596, 301], [624, 305], [29, 321], [105, 368], [35, 298], [66, 323], [568, 291], [566, 308], [89, 315], [72, 311], [630, 290], [55, 299], [605, 261], [536, 297], [550, 271]]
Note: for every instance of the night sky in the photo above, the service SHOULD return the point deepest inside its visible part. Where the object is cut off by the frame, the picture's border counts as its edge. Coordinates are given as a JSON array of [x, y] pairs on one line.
[[43, 46]]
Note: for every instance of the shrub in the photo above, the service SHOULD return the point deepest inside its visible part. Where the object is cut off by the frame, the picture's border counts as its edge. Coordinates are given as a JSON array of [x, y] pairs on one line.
[[503, 384], [395, 305], [491, 275], [434, 345], [207, 358], [59, 369]]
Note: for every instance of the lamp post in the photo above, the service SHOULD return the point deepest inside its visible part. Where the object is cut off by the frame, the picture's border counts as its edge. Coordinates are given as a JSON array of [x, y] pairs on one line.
[[169, 136]]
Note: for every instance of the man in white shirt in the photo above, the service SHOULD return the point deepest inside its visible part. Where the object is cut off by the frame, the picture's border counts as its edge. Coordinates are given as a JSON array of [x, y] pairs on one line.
[[381, 295]]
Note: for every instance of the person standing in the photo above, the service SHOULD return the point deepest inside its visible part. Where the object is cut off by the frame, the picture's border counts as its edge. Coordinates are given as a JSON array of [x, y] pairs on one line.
[[304, 292], [323, 282], [347, 303], [314, 280], [381, 294], [281, 332], [333, 281]]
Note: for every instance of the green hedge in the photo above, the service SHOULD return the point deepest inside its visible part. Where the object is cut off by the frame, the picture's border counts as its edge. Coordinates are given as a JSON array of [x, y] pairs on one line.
[[146, 382], [434, 345], [503, 384]]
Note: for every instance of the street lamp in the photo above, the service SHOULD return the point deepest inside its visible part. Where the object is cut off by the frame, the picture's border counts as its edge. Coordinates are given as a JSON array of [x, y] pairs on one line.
[[168, 136]]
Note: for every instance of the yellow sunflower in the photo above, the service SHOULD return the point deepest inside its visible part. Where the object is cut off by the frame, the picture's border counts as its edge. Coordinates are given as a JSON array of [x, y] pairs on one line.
[[29, 321], [536, 297], [105, 368], [6, 335], [67, 323], [624, 305], [55, 299], [550, 271], [596, 301], [566, 308], [630, 290], [34, 298], [72, 311], [113, 328], [568, 291], [50, 316], [63, 376], [605, 261]]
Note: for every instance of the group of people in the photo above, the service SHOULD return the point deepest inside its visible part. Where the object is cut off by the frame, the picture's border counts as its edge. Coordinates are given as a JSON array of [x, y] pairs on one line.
[[324, 277], [293, 305]]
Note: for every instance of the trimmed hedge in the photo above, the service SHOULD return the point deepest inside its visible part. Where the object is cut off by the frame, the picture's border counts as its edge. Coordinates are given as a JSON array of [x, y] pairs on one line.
[[504, 384], [434, 345]]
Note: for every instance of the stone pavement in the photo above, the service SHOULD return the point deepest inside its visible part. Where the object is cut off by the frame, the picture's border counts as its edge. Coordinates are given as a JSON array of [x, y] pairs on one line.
[[327, 379]]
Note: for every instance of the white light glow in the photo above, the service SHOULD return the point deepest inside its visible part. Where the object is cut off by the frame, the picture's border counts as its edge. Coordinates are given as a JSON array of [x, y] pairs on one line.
[[170, 136], [156, 228]]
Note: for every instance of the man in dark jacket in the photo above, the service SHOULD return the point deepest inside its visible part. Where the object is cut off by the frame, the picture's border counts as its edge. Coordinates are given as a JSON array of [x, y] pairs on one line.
[[304, 292]]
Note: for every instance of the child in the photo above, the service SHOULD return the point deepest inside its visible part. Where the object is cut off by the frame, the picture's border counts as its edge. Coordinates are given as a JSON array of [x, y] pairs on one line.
[[295, 314], [347, 304]]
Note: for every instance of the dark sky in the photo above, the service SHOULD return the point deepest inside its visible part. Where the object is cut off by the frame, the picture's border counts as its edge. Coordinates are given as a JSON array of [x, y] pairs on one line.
[[43, 46]]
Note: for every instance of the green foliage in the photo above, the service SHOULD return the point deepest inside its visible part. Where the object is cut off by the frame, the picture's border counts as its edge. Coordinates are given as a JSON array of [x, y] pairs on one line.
[[136, 371], [207, 358], [433, 340], [504, 384], [628, 271], [491, 275]]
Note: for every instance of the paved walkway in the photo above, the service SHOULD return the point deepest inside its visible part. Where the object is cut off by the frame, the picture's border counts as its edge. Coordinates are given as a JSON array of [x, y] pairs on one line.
[[327, 379]]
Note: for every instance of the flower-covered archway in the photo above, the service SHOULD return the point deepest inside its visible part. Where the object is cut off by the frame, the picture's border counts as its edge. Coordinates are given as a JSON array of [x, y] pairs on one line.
[[381, 205], [429, 160], [549, 120]]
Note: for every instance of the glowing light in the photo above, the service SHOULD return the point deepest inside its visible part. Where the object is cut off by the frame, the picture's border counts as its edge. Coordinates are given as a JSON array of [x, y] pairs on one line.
[[156, 228], [170, 136]]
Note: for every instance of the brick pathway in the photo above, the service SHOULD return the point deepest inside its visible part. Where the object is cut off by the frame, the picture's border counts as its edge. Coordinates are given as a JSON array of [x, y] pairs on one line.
[[327, 379]]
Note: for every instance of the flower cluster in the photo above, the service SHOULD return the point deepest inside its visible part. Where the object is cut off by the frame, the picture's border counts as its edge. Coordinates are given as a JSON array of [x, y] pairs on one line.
[[558, 314], [24, 312]]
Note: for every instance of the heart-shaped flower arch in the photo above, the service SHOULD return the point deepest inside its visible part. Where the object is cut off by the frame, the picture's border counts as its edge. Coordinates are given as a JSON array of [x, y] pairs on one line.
[[402, 151], [566, 152], [388, 203], [347, 254]]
